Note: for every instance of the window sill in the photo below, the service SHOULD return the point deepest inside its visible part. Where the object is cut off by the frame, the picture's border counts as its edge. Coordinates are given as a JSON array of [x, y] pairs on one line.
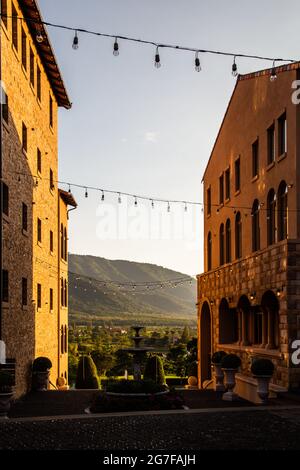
[[25, 233], [51, 253], [24, 152], [15, 52], [237, 192], [270, 166], [32, 87], [5, 218], [227, 200], [51, 128], [255, 178], [40, 244], [252, 350], [4, 29], [24, 71], [51, 191], [5, 125], [282, 157], [5, 305], [208, 216], [39, 102], [63, 261]]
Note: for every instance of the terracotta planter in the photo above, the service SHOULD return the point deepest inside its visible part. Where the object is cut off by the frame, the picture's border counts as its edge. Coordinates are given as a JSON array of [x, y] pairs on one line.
[[219, 376], [230, 384], [263, 387], [40, 381], [5, 399]]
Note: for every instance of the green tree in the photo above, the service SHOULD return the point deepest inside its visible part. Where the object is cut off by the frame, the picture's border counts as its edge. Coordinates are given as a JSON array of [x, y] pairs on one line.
[[154, 370], [103, 360], [87, 373], [185, 335]]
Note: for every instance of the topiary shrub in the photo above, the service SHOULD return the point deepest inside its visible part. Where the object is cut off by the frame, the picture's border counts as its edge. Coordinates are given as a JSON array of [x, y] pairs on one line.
[[262, 367], [154, 370], [192, 369], [87, 374], [7, 381], [218, 356], [231, 361], [41, 364]]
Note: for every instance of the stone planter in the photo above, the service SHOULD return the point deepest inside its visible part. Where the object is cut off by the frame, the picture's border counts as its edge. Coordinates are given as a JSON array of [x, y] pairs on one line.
[[263, 387], [219, 378], [40, 381], [5, 399], [230, 384]]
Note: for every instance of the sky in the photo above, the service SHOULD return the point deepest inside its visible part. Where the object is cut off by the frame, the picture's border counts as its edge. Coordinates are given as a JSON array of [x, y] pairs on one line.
[[146, 131]]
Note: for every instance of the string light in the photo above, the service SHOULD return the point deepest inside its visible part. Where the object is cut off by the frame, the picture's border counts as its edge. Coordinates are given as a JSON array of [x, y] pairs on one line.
[[119, 198], [69, 190], [185, 207], [152, 203], [157, 63], [86, 193], [169, 207], [39, 36], [116, 48], [197, 62], [75, 44], [234, 70], [273, 75], [102, 196], [135, 200]]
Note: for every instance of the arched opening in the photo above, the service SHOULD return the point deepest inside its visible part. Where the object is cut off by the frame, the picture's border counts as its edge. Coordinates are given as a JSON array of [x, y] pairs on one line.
[[255, 226], [205, 343], [238, 236], [228, 241], [282, 211], [270, 308], [221, 242], [209, 251], [228, 323], [271, 217]]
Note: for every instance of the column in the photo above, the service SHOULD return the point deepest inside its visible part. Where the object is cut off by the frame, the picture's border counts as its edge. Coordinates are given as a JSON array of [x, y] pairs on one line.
[[245, 341], [264, 328], [270, 343], [239, 341]]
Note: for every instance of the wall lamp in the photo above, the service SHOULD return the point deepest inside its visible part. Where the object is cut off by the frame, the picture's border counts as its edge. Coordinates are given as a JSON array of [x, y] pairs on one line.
[[253, 295]]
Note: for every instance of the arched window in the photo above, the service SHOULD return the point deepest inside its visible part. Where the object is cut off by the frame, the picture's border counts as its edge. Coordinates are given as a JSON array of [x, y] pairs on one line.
[[255, 226], [228, 241], [66, 339], [238, 236], [62, 241], [62, 343], [271, 217], [221, 241], [209, 251], [65, 245], [65, 293], [282, 211], [62, 297]]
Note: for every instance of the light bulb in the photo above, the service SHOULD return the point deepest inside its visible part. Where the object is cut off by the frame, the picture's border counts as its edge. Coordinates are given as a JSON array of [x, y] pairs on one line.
[[273, 75], [39, 36], [69, 190], [169, 208], [86, 193], [75, 44], [152, 204], [102, 197], [185, 207], [234, 68], [197, 63], [116, 48], [135, 201], [157, 63], [119, 198]]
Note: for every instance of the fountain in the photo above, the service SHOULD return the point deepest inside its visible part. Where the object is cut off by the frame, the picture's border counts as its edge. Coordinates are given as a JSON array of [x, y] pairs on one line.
[[137, 352]]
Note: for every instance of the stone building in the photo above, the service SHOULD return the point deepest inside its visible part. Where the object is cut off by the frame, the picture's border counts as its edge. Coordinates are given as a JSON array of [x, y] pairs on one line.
[[249, 295], [34, 316]]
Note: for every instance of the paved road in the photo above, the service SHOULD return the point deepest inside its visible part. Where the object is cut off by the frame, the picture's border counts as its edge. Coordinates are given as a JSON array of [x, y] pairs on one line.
[[271, 429]]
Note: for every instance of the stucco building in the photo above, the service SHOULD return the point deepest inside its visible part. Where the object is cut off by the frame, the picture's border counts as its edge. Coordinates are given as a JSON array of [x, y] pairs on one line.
[[249, 295], [34, 316]]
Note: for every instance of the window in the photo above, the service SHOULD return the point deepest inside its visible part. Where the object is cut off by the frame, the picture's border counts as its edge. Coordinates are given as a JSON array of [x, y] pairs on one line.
[[62, 343], [5, 193], [238, 236], [31, 58], [62, 297], [24, 49], [282, 135], [65, 293], [237, 174], [14, 27], [227, 183], [5, 106], [51, 179], [65, 245], [208, 201], [221, 242], [39, 230], [51, 299], [51, 241], [66, 338], [39, 296], [24, 291], [255, 226], [24, 217], [282, 211], [209, 251], [255, 159], [5, 287], [39, 160], [228, 241], [4, 11], [24, 137], [271, 144], [50, 111], [271, 211], [221, 189], [38, 82]]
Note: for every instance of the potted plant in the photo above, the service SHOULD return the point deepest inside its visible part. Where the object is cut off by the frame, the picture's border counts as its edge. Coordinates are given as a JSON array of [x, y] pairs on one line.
[[7, 382], [216, 360], [262, 370], [230, 364], [40, 374]]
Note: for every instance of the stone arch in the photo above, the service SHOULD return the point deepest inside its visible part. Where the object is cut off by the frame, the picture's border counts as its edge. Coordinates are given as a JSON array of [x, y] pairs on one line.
[[205, 342]]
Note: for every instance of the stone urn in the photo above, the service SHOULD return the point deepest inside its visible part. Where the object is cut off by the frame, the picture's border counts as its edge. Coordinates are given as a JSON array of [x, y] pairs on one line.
[[263, 387], [216, 360], [230, 364], [40, 374], [262, 370], [5, 401]]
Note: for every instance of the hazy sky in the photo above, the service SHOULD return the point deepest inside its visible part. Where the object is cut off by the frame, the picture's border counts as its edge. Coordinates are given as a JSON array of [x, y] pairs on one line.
[[137, 129]]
